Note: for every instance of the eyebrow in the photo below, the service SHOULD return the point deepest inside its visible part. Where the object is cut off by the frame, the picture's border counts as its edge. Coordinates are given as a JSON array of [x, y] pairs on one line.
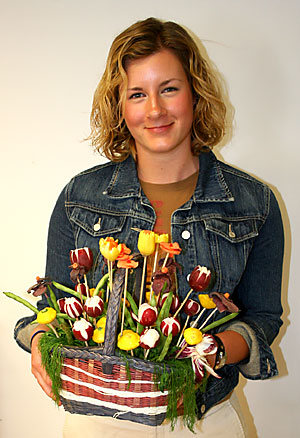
[[162, 84]]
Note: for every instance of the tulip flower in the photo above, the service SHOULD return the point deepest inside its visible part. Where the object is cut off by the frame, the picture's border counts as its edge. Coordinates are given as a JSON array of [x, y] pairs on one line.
[[146, 246], [127, 263], [170, 325], [146, 242], [73, 307], [94, 306], [82, 289], [82, 330], [82, 257], [161, 281], [206, 301], [81, 263], [61, 305], [129, 340], [175, 302], [200, 278], [171, 248], [124, 252], [149, 338], [147, 314], [159, 238], [110, 249]]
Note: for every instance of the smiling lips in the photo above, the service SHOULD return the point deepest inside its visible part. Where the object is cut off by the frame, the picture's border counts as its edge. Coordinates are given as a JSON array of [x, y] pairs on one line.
[[159, 129]]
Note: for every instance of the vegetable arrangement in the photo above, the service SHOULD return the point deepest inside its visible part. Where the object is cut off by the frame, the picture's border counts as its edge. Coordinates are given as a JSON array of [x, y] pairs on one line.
[[157, 326]]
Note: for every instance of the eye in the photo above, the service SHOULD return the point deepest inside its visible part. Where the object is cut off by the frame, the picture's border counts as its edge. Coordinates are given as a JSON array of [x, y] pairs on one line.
[[169, 89], [136, 95]]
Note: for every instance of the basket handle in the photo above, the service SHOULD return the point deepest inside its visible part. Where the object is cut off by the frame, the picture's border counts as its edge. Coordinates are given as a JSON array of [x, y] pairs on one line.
[[113, 313]]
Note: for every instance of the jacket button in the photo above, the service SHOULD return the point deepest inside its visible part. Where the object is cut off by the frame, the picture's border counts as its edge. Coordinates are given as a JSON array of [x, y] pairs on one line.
[[185, 234], [97, 225], [202, 409]]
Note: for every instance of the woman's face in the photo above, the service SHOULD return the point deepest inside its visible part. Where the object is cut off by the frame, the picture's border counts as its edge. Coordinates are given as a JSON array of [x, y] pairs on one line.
[[158, 106]]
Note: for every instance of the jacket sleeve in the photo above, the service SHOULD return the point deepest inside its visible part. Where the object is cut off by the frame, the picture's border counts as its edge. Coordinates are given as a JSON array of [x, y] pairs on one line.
[[60, 242], [259, 297]]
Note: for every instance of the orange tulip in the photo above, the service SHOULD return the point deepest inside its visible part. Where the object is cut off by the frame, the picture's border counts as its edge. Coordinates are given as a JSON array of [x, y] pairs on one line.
[[171, 248], [127, 263], [124, 251]]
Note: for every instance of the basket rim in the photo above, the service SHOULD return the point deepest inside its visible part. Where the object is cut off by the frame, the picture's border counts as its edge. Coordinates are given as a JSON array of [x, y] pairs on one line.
[[93, 353]]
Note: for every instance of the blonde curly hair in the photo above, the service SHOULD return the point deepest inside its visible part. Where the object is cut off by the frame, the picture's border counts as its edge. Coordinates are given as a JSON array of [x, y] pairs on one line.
[[109, 133]]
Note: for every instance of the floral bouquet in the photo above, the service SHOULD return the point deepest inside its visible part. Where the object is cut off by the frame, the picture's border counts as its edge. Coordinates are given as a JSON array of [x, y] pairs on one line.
[[160, 350]]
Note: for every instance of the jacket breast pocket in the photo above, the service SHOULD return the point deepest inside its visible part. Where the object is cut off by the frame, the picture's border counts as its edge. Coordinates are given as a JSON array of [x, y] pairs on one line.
[[230, 243], [97, 223]]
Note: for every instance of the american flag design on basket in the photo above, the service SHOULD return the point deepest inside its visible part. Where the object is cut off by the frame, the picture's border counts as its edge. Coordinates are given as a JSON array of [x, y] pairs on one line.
[[88, 390]]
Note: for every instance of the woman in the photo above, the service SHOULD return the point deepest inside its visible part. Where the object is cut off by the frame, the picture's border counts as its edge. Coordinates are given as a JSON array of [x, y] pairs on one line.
[[156, 115]]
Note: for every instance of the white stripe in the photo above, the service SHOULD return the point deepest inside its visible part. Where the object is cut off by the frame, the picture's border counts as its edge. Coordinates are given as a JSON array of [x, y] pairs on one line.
[[143, 410], [107, 380], [115, 392]]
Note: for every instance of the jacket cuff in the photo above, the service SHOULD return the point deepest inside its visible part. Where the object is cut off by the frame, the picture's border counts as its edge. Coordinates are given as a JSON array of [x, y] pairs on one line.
[[261, 364], [23, 332]]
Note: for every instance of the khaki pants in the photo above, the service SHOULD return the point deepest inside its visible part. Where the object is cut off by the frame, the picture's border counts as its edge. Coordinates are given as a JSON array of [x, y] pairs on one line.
[[223, 420]]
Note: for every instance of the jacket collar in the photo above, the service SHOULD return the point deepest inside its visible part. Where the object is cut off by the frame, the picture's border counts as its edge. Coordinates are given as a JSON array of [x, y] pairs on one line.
[[211, 185]]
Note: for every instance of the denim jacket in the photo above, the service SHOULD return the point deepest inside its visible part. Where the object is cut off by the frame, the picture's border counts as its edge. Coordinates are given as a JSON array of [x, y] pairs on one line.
[[231, 224]]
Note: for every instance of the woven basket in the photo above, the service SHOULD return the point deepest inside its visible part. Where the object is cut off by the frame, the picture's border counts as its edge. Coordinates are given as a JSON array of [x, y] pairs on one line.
[[95, 380]]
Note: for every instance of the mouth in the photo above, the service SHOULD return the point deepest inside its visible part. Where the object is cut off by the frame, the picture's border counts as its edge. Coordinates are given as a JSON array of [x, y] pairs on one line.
[[159, 128]]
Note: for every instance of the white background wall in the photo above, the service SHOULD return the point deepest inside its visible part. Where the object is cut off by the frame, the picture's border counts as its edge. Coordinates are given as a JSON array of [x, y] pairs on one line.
[[52, 55]]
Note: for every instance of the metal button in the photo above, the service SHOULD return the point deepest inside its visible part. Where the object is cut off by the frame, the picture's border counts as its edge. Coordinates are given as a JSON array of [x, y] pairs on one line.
[[231, 233], [202, 409], [185, 234], [97, 225]]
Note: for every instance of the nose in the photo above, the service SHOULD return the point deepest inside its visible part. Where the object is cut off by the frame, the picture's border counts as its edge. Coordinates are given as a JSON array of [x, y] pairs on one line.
[[156, 107]]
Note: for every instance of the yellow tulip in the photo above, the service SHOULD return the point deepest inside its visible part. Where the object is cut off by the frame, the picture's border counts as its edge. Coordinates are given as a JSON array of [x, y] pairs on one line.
[[129, 340], [159, 238], [146, 242], [45, 316], [109, 248], [206, 301], [192, 336]]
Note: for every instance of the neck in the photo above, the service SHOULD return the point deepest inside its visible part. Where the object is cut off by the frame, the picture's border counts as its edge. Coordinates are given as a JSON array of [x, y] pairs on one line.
[[162, 169]]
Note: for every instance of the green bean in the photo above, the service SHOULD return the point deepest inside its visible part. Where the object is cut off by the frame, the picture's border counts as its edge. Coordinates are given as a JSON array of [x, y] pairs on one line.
[[165, 348], [219, 322], [130, 320], [165, 310], [68, 290], [22, 301], [100, 284], [132, 303]]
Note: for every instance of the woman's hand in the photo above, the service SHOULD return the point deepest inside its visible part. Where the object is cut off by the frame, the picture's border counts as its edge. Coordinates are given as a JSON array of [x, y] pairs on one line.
[[37, 368]]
